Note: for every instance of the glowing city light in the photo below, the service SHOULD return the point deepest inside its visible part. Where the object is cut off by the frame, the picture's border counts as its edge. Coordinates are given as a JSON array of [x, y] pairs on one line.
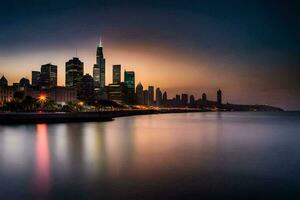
[[42, 98]]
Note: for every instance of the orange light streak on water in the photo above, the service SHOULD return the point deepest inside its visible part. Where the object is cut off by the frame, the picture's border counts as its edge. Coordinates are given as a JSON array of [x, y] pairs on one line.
[[42, 161]]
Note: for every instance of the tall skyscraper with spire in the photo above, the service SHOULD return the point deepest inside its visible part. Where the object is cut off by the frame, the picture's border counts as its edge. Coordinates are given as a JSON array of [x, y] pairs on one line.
[[99, 68], [219, 97]]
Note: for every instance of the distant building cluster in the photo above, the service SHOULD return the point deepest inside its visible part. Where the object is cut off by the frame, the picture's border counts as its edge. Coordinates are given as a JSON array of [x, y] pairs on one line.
[[90, 88]]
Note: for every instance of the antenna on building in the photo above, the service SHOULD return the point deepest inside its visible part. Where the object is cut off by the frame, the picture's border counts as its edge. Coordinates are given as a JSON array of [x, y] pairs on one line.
[[100, 42], [76, 52]]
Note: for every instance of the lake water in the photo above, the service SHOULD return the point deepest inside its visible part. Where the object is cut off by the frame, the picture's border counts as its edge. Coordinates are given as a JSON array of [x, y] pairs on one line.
[[191, 155]]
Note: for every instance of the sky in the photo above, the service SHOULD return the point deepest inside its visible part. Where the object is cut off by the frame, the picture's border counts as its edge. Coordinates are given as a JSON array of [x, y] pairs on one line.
[[249, 49]]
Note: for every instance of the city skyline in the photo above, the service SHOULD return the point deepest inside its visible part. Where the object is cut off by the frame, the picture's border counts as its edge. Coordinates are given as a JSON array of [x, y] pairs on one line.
[[74, 70], [149, 99], [85, 92], [254, 45], [61, 80]]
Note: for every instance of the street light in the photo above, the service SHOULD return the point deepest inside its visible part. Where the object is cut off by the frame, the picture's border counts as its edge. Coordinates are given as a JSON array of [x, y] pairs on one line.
[[42, 98]]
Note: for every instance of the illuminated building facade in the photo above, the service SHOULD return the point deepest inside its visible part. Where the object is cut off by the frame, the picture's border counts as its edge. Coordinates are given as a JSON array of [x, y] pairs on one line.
[[74, 72], [48, 76], [116, 74], [99, 69], [129, 80]]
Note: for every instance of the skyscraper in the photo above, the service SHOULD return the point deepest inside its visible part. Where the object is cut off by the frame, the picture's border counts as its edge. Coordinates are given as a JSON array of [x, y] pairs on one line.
[[129, 80], [150, 95], [219, 97], [74, 72], [146, 97], [204, 97], [35, 78], [158, 95], [116, 74], [165, 98], [86, 88], [99, 68], [177, 100], [96, 76], [48, 76], [184, 99], [192, 100], [139, 94], [204, 100]]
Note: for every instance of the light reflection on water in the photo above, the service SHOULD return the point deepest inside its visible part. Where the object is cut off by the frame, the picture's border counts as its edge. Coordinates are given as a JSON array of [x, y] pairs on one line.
[[155, 154], [42, 179]]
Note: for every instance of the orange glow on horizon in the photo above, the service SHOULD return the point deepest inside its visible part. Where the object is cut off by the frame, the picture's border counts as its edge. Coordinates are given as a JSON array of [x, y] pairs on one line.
[[172, 69]]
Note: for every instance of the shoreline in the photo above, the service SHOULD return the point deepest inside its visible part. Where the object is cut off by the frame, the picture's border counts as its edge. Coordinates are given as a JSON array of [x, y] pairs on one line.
[[13, 118], [20, 118]]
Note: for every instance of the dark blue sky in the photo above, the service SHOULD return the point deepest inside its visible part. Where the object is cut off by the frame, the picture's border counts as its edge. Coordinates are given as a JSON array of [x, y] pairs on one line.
[[255, 39], [247, 26]]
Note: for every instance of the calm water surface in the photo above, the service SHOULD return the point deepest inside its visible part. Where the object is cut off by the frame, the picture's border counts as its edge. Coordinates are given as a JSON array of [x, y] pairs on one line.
[[212, 155]]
